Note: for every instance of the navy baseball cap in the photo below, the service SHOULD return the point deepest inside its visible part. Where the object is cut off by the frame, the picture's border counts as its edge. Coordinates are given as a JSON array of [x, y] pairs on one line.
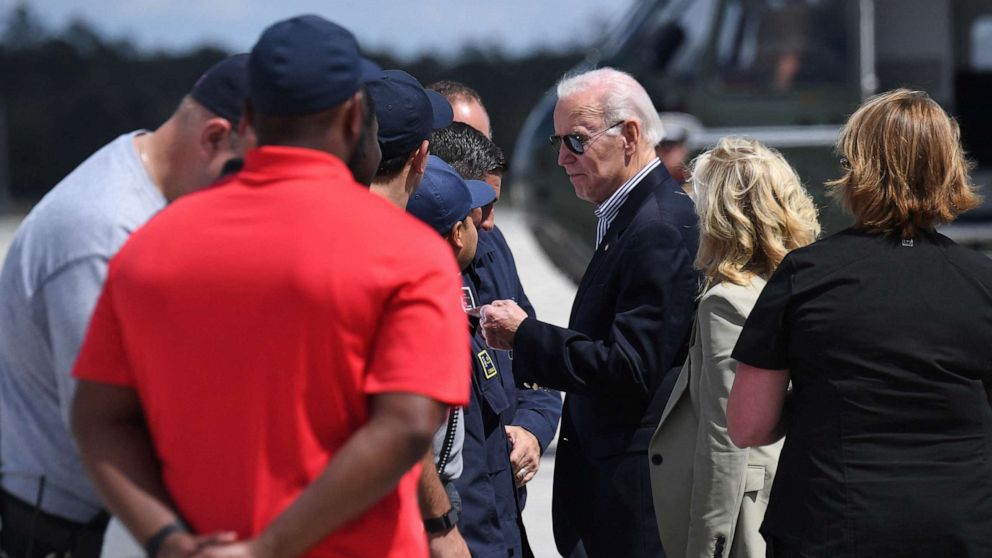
[[222, 88], [407, 112], [445, 198], [304, 65]]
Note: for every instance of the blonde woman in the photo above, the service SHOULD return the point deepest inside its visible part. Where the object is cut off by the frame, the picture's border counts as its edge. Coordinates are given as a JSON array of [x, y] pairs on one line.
[[709, 495]]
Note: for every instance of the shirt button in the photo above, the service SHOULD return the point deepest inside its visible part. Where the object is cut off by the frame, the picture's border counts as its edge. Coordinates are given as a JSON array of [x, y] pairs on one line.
[[656, 458]]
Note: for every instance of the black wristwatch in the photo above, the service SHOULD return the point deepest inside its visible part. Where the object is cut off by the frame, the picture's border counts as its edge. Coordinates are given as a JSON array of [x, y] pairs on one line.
[[154, 543], [441, 524]]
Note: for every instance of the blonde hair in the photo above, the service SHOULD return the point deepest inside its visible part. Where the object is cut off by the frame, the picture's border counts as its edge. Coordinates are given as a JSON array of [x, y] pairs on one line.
[[906, 171], [752, 211]]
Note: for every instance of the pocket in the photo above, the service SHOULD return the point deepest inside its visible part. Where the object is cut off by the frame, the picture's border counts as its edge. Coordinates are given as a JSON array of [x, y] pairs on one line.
[[755, 478], [494, 395]]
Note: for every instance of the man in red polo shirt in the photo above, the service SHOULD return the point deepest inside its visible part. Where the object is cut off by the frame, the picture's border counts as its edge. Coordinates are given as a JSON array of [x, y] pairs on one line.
[[271, 356]]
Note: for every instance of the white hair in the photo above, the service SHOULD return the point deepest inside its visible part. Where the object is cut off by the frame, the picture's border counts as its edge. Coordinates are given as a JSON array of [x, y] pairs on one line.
[[623, 99]]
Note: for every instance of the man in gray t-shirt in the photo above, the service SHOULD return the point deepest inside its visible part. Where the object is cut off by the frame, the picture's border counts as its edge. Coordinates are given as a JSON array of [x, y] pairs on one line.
[[49, 285]]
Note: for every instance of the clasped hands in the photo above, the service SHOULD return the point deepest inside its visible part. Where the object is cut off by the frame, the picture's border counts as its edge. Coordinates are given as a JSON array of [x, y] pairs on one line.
[[499, 321]]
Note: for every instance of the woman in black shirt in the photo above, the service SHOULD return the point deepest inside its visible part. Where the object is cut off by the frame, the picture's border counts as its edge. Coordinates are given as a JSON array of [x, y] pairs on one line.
[[885, 331]]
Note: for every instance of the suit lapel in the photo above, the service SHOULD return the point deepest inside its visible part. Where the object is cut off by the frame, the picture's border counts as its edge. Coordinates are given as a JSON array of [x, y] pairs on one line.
[[637, 197]]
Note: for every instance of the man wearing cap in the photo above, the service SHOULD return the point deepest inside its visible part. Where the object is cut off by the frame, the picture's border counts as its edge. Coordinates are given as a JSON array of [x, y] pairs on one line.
[[534, 412], [271, 332], [49, 284], [407, 114], [490, 514]]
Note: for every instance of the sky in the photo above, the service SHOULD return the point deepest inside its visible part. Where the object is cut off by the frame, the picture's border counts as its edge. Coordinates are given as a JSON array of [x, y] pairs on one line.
[[405, 27]]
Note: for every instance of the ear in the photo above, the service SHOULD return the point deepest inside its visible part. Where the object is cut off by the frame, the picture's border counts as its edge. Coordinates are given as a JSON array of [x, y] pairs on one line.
[[354, 117], [215, 135], [248, 120], [631, 132], [457, 235], [420, 158], [247, 116]]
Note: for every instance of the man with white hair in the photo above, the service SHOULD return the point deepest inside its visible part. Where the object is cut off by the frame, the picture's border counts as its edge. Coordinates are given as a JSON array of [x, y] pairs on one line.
[[630, 322]]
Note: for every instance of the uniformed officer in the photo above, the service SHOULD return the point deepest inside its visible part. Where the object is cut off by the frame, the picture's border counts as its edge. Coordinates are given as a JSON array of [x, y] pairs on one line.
[[532, 416], [490, 515]]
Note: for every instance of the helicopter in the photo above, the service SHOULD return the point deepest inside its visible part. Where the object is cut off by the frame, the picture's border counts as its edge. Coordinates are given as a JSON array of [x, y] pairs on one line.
[[785, 72]]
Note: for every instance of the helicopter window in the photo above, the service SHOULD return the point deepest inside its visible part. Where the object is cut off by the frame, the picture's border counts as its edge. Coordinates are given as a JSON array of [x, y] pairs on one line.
[[675, 38], [781, 45], [973, 82], [913, 41], [981, 44]]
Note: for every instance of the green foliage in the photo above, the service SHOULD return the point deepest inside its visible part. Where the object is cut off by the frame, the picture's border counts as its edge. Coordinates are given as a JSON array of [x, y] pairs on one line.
[[66, 94]]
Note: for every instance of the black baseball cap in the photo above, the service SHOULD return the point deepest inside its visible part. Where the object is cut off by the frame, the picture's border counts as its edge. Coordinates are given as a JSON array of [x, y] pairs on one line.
[[222, 88], [304, 65], [445, 198], [407, 112]]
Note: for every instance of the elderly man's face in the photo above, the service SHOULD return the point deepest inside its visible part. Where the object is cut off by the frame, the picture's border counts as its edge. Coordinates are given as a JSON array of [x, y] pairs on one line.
[[599, 171]]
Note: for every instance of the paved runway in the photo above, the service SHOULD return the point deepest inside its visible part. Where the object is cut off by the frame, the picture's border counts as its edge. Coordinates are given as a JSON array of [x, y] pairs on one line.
[[550, 292]]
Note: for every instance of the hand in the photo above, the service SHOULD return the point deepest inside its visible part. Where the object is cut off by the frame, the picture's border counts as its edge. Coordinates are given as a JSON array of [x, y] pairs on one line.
[[525, 457], [500, 321], [254, 548], [183, 545], [448, 544]]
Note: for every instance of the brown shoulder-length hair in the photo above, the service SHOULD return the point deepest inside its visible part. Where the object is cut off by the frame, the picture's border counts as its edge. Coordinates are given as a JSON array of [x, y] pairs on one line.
[[905, 169]]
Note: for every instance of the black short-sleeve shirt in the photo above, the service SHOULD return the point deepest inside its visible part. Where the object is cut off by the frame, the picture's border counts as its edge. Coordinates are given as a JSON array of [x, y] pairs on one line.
[[888, 449]]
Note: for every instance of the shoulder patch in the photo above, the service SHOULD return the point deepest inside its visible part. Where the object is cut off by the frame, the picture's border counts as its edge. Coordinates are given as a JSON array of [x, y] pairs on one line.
[[488, 366]]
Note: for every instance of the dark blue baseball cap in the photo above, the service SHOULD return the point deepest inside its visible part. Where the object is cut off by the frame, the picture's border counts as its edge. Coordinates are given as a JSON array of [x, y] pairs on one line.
[[304, 65], [407, 112], [222, 88], [444, 198]]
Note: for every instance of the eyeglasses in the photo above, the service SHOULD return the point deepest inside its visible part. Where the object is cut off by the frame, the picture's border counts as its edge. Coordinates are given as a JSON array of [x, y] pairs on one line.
[[576, 143]]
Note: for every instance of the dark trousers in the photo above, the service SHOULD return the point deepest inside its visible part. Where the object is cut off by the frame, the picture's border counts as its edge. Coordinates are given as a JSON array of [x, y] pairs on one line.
[[28, 532], [779, 548]]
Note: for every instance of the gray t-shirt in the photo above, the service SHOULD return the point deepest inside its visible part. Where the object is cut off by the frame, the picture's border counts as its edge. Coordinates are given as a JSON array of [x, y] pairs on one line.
[[49, 285]]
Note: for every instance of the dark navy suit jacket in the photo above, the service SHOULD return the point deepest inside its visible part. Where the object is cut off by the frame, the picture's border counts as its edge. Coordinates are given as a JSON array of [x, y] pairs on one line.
[[627, 335]]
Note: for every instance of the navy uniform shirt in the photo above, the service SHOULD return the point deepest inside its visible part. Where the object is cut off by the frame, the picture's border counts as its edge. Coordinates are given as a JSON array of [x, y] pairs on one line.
[[494, 276], [490, 506]]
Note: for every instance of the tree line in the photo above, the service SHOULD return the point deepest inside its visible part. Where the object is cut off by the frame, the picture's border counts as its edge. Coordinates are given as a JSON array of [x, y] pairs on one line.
[[65, 93]]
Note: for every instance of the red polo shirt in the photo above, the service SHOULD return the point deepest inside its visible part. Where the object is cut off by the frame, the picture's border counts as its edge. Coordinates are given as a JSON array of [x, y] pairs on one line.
[[256, 317]]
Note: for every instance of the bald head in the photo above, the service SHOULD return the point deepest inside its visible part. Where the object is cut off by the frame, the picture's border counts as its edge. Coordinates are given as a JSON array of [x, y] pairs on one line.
[[466, 105], [189, 150]]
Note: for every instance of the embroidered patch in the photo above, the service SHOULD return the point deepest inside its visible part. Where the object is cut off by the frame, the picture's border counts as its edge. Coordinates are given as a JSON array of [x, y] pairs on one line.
[[468, 301], [488, 366]]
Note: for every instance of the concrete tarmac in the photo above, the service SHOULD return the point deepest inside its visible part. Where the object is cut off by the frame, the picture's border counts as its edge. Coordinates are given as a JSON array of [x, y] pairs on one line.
[[549, 291]]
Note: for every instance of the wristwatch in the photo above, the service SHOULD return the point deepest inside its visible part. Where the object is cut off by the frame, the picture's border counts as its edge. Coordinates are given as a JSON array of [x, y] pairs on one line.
[[441, 524]]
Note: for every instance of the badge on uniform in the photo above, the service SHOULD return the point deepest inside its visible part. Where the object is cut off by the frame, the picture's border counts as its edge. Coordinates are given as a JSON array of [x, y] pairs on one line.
[[488, 366], [468, 302]]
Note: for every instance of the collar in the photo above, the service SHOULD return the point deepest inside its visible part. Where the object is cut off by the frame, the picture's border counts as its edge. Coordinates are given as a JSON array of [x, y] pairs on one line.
[[282, 161], [608, 210]]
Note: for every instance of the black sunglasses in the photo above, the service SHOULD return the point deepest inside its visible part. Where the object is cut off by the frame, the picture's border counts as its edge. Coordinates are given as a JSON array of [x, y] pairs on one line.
[[576, 143]]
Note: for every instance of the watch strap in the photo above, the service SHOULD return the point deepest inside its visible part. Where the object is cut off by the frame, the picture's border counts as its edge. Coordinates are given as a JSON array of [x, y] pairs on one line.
[[154, 543], [447, 520]]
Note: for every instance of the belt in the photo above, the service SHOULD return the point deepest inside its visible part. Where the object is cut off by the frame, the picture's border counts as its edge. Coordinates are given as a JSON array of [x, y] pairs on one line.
[[27, 529]]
